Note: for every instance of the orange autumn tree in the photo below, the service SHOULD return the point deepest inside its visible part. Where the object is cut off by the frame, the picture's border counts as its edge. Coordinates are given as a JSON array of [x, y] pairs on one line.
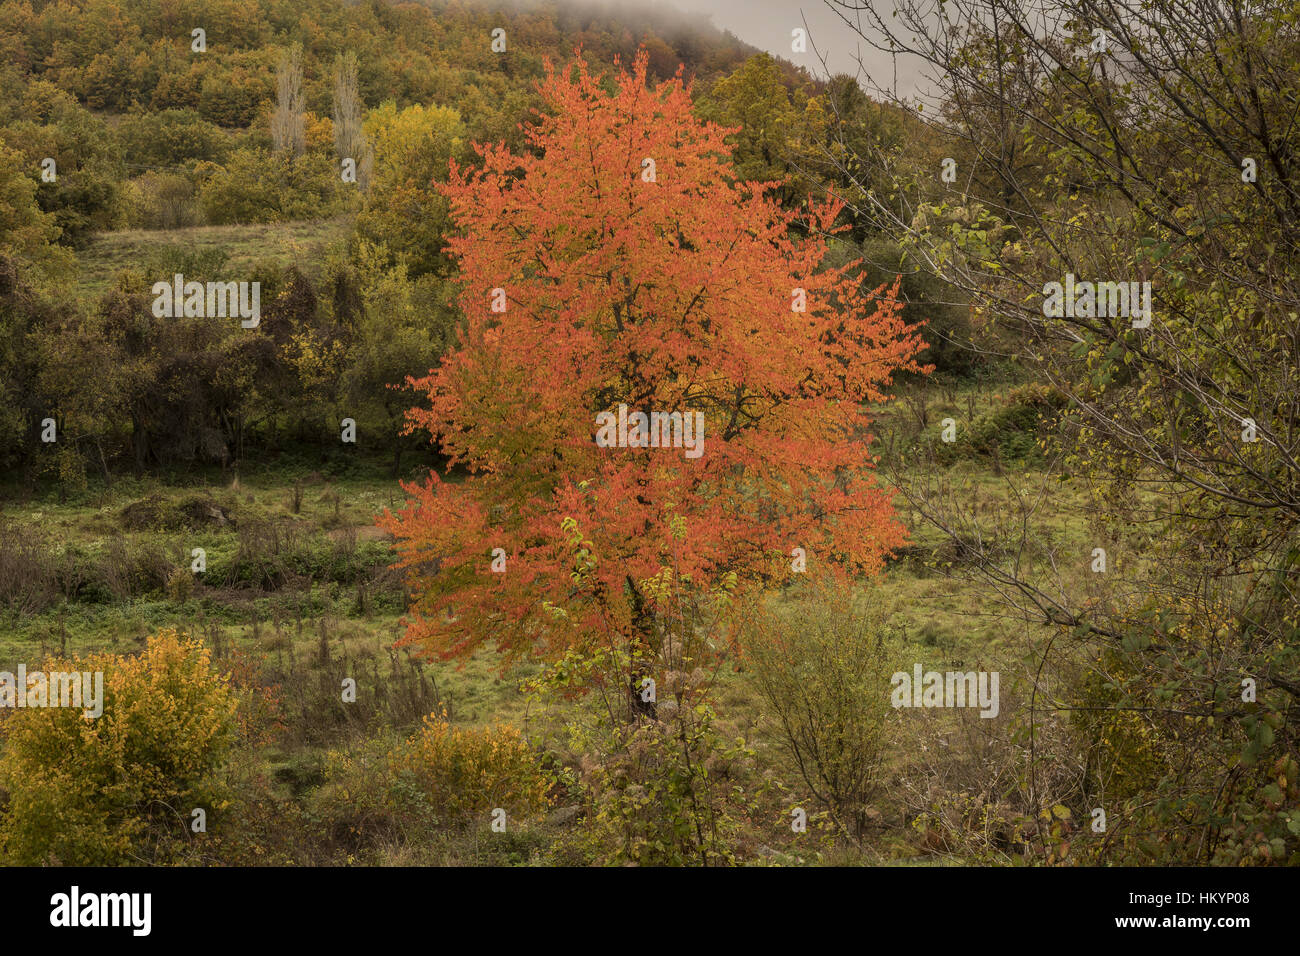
[[619, 263]]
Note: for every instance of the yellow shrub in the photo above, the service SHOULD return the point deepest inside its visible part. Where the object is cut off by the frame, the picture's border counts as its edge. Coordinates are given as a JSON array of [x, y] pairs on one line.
[[465, 773], [120, 787]]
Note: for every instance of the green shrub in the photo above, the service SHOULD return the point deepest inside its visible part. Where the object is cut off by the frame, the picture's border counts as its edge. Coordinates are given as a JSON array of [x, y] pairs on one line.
[[669, 792], [257, 186], [1011, 433], [170, 138], [672, 785], [822, 665], [194, 262]]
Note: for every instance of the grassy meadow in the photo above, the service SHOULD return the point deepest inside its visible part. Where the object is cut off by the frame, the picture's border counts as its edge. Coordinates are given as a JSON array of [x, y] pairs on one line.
[[299, 594]]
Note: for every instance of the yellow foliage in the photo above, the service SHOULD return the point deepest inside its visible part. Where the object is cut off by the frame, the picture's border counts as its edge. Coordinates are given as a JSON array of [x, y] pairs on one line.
[[467, 772], [98, 791], [319, 131], [450, 774]]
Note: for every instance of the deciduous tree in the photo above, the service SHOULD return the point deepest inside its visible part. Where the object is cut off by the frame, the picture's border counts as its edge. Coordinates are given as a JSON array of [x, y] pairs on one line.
[[635, 271]]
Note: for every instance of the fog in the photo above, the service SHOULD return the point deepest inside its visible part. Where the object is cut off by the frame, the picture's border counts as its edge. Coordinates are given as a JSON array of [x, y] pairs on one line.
[[833, 46]]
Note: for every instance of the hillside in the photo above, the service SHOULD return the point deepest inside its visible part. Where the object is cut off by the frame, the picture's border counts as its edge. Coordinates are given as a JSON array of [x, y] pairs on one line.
[[558, 434]]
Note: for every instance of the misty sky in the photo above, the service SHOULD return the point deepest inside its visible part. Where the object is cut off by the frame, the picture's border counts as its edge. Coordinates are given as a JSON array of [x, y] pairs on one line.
[[766, 24]]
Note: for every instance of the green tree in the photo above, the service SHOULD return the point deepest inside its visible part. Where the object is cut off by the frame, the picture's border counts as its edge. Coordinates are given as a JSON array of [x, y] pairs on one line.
[[404, 211], [84, 194], [259, 186], [170, 137], [1166, 155], [777, 128]]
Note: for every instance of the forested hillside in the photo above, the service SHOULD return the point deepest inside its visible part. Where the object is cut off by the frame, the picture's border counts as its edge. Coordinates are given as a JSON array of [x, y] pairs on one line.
[[548, 433], [148, 136]]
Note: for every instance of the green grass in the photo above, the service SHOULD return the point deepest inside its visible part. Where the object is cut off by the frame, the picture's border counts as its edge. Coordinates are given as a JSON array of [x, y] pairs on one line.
[[941, 615], [942, 618], [243, 247]]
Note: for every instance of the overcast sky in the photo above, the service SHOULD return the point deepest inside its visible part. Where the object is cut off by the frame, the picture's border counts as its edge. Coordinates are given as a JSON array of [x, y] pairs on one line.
[[766, 24]]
